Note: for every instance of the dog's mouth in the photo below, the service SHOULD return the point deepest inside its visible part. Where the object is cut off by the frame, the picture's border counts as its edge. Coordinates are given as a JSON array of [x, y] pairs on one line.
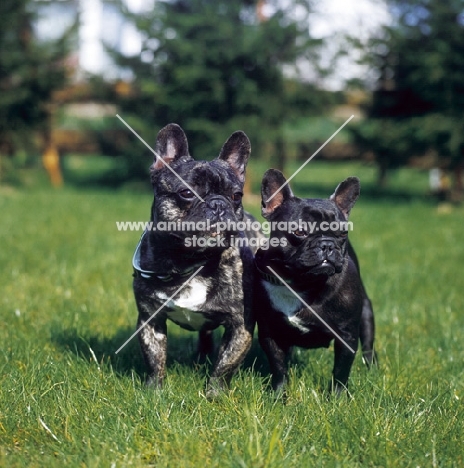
[[203, 235], [213, 230], [181, 236], [325, 259], [327, 266], [316, 267]]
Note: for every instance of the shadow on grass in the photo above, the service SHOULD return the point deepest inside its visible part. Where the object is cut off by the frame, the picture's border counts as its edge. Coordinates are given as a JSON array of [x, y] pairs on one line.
[[182, 350], [182, 347]]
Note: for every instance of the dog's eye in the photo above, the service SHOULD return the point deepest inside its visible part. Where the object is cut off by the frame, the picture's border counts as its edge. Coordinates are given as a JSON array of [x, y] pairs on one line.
[[237, 197], [299, 233], [186, 194]]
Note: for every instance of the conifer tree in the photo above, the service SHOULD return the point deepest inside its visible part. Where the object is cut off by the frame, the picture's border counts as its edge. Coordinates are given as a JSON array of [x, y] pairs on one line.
[[215, 66]]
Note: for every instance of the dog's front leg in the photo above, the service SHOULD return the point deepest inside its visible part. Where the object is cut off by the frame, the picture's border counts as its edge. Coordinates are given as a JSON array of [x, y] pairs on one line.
[[343, 361], [278, 362], [235, 344], [153, 342], [367, 332]]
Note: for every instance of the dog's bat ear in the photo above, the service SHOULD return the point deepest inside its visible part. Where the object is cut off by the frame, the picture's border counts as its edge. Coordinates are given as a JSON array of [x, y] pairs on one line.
[[235, 152], [346, 194], [274, 191], [171, 144]]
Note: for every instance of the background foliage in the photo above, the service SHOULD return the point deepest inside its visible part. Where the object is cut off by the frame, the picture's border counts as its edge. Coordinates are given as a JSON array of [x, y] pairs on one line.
[[215, 66], [417, 102], [218, 66], [30, 71]]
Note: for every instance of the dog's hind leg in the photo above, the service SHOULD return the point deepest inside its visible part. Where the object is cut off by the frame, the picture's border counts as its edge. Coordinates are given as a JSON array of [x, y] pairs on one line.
[[205, 345], [367, 326], [367, 333]]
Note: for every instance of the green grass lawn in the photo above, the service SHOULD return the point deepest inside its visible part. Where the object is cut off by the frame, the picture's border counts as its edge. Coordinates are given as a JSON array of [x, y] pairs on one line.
[[66, 306]]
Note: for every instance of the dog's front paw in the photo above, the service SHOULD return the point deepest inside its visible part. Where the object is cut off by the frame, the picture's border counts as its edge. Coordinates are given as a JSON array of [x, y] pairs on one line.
[[370, 358], [215, 388], [337, 389], [154, 381], [279, 382], [279, 386]]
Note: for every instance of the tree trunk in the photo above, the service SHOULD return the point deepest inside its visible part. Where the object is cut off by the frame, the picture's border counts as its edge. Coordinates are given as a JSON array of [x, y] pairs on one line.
[[382, 175]]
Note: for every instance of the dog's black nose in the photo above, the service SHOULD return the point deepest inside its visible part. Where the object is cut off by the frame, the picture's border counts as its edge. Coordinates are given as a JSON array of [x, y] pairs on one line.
[[327, 246], [217, 205]]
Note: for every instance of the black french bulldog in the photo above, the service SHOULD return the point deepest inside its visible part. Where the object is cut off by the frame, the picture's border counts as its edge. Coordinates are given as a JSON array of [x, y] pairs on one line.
[[316, 260], [221, 293]]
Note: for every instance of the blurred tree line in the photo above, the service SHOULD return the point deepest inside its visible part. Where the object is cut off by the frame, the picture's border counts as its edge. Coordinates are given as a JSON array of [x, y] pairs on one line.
[[29, 73], [215, 66], [417, 104]]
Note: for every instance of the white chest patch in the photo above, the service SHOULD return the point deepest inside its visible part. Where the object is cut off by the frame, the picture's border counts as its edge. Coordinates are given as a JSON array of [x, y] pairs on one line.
[[185, 305], [287, 303]]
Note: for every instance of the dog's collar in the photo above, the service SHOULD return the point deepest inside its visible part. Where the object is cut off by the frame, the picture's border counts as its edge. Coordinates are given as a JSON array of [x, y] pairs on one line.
[[151, 275], [269, 277], [139, 272]]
